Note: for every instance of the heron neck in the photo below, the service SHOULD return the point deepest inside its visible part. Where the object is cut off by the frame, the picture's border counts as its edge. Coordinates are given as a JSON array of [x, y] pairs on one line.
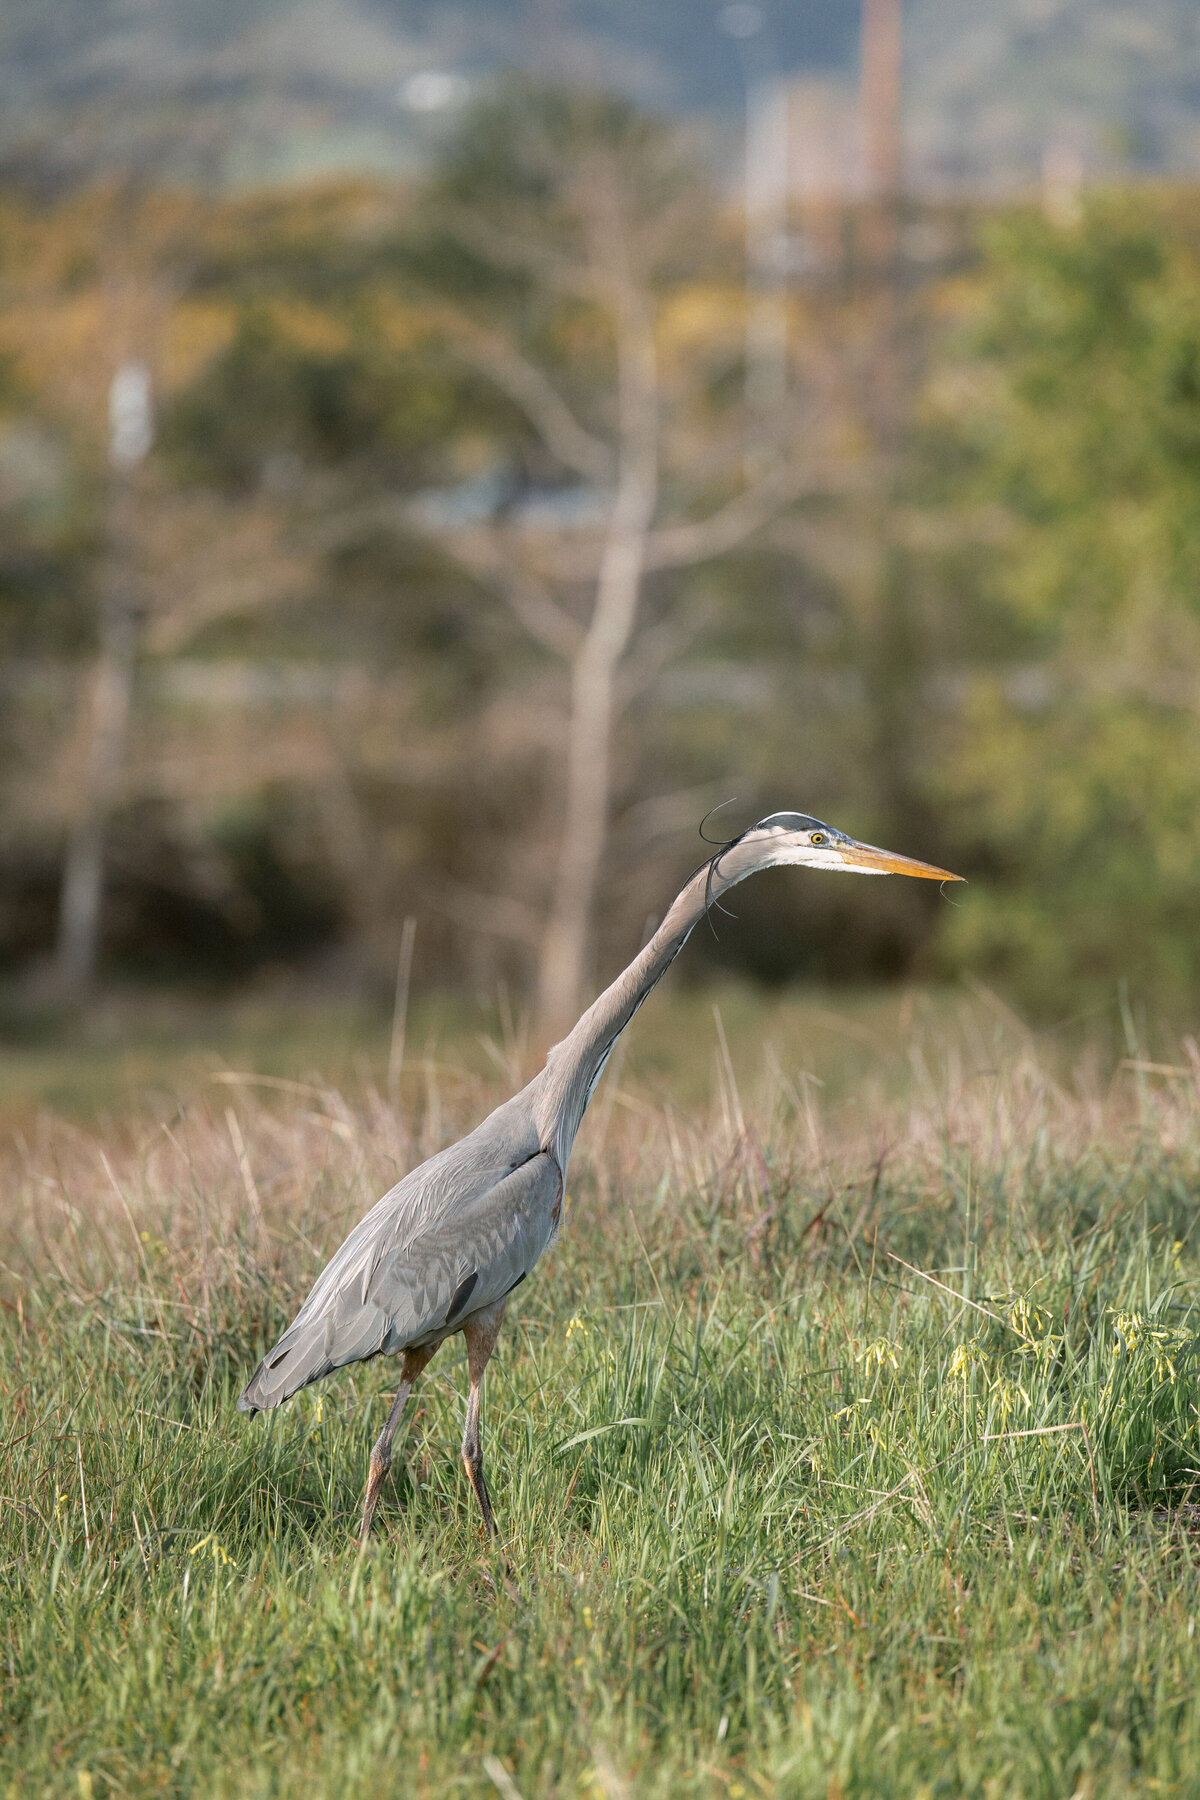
[[574, 1066]]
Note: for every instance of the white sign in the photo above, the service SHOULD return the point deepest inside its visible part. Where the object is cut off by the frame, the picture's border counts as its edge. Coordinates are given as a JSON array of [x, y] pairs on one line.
[[130, 415]]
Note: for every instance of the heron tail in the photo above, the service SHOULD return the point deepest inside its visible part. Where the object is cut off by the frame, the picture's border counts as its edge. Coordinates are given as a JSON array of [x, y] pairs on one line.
[[312, 1346], [300, 1356]]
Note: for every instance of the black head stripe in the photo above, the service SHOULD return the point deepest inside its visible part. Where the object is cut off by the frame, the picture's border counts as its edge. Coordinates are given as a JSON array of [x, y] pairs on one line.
[[788, 821]]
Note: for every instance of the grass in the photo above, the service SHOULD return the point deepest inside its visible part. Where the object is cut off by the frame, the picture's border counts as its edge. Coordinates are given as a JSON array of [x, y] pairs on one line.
[[848, 1445], [138, 1053]]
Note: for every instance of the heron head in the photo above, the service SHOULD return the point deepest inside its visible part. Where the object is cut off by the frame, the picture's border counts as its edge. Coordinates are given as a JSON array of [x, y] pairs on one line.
[[788, 837]]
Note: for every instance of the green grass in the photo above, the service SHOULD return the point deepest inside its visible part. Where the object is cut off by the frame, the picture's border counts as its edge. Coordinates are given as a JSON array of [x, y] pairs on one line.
[[781, 1515]]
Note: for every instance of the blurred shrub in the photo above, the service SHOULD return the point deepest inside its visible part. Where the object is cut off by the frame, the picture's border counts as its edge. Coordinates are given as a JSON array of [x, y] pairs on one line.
[[1074, 771]]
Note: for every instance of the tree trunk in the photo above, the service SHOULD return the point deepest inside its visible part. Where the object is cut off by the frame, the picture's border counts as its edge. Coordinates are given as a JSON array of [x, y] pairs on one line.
[[82, 896], [566, 941]]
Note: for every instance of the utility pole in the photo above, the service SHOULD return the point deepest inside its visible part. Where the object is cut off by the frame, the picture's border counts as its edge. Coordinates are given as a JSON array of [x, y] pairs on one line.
[[880, 91], [765, 199], [893, 661], [880, 102], [881, 64], [130, 435]]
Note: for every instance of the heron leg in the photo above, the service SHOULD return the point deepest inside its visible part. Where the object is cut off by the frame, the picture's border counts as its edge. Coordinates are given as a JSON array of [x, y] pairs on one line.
[[481, 1333], [381, 1450]]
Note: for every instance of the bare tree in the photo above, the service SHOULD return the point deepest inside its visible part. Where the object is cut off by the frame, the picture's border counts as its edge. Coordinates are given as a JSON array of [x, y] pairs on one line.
[[170, 562], [133, 306], [603, 229], [111, 704]]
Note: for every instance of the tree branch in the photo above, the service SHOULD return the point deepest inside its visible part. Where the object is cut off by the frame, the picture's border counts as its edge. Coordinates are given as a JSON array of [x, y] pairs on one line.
[[506, 250], [484, 555], [661, 645], [677, 546], [500, 361]]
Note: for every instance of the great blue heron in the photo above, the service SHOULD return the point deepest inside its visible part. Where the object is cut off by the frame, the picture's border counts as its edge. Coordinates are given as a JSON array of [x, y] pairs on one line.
[[443, 1250]]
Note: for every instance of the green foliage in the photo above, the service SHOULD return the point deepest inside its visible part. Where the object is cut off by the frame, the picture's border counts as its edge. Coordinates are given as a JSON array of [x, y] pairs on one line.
[[269, 408], [1077, 771]]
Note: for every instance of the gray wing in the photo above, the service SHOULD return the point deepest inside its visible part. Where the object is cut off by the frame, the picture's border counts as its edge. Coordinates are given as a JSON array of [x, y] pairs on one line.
[[412, 1271]]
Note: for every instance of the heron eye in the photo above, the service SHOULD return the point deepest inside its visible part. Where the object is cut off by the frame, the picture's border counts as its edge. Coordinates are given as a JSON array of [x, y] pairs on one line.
[[817, 837]]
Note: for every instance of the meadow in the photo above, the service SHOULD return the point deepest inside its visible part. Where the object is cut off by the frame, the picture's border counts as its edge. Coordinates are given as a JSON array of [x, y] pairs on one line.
[[847, 1445]]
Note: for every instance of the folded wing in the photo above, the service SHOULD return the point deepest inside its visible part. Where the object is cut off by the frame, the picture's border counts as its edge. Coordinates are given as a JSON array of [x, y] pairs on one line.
[[412, 1271]]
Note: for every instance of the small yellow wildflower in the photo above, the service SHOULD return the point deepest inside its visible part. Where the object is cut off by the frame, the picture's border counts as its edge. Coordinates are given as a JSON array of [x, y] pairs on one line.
[[574, 1325], [878, 1353], [212, 1544], [1028, 1321], [1134, 1332], [966, 1357], [1005, 1394], [1044, 1350], [847, 1412]]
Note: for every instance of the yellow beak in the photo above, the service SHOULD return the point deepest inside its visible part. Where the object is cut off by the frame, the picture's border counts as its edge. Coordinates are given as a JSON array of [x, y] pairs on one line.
[[886, 862]]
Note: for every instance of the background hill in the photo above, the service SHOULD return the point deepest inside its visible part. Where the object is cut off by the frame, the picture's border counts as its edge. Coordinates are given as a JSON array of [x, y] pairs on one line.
[[287, 87]]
